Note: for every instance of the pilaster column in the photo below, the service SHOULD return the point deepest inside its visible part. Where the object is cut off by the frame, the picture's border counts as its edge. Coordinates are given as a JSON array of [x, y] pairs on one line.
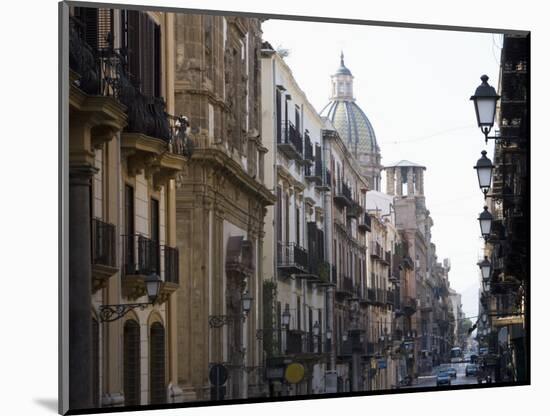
[[390, 181], [420, 180], [410, 183], [80, 288], [398, 182]]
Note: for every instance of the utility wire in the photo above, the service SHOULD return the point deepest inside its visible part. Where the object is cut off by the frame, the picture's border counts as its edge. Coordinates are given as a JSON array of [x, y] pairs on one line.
[[440, 133]]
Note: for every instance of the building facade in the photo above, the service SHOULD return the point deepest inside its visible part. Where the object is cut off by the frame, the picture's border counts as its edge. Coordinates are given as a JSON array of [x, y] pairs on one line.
[[220, 205], [296, 259], [424, 291], [382, 301], [125, 151], [501, 328], [199, 167]]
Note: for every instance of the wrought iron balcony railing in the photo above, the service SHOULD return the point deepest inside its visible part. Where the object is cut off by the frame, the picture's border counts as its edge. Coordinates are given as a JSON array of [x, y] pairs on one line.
[[171, 264], [314, 173], [371, 295], [141, 255], [103, 243], [354, 210], [342, 195], [290, 141], [292, 257], [364, 222], [308, 149], [334, 274], [103, 71]]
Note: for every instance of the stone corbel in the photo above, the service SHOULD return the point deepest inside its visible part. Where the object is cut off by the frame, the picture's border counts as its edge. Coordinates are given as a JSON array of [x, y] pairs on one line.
[[161, 178], [103, 134], [151, 167]]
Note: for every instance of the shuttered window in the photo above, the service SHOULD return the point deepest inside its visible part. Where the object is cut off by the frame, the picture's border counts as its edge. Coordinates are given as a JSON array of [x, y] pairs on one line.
[[129, 243], [157, 364], [279, 116], [97, 24], [298, 226], [141, 38], [155, 234], [131, 363], [298, 313], [279, 214]]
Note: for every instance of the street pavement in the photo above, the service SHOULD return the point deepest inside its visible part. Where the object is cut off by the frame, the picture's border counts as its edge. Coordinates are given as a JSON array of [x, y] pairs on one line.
[[430, 381]]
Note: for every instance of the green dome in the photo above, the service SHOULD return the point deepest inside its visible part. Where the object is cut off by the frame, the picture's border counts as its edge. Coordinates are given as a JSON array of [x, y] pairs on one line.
[[352, 125]]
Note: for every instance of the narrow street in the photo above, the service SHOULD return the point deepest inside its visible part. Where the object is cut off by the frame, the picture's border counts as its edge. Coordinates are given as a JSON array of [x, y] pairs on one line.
[[461, 379]]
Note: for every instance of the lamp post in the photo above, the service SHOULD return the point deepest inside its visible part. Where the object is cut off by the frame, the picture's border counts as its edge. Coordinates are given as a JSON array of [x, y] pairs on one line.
[[485, 221], [109, 313], [485, 267], [217, 321], [485, 102], [246, 302], [484, 168], [328, 342], [286, 317]]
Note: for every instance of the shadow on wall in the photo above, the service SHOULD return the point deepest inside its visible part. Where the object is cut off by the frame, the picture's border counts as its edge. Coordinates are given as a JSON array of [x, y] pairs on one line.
[[49, 404]]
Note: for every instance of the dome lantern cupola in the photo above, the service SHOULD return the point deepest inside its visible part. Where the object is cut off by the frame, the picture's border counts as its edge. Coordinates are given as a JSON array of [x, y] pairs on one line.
[[342, 82], [353, 125]]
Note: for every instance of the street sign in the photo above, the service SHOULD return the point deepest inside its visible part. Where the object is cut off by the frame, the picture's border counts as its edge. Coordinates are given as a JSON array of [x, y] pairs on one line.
[[331, 382], [382, 363], [274, 373], [218, 375], [294, 373]]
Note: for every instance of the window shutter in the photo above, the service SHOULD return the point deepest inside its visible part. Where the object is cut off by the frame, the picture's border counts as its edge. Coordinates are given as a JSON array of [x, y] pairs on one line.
[[157, 62], [131, 363], [158, 364], [132, 43]]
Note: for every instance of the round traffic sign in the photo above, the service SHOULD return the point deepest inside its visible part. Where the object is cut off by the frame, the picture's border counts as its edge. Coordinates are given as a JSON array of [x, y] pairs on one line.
[[218, 375], [294, 373]]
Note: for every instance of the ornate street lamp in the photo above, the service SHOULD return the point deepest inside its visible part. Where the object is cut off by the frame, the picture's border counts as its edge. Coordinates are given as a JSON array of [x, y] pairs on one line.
[[217, 321], [484, 168], [152, 285], [246, 302], [286, 317], [109, 313], [315, 329], [485, 103], [485, 221], [486, 282], [485, 267]]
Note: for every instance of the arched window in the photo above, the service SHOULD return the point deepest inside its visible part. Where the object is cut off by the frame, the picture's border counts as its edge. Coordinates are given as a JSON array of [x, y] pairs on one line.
[[157, 363], [131, 363]]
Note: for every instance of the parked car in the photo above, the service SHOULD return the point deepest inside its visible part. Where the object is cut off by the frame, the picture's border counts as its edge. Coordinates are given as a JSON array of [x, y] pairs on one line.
[[452, 372], [471, 370], [443, 378]]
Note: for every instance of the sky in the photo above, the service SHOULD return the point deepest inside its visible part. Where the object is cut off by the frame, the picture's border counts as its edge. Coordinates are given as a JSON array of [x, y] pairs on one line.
[[414, 86]]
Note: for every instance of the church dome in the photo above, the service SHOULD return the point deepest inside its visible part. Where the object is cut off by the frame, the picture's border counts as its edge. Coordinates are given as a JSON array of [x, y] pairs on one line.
[[352, 125]]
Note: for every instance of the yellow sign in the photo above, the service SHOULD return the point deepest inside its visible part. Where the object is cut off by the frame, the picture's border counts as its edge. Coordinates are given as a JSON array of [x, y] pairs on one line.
[[294, 373]]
